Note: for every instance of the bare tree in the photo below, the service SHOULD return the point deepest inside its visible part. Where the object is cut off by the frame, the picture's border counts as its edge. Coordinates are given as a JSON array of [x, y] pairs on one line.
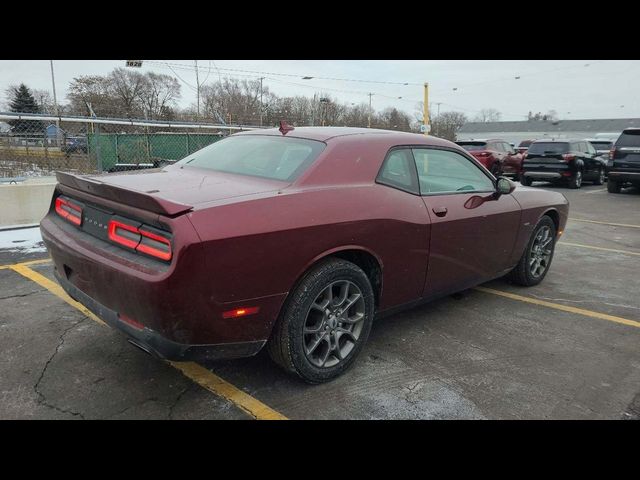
[[237, 101], [488, 115], [126, 87], [447, 124], [393, 119], [158, 95], [93, 89]]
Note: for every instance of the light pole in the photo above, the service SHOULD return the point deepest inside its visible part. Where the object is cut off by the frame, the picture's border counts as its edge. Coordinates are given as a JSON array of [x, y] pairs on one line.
[[370, 95], [55, 102], [261, 78]]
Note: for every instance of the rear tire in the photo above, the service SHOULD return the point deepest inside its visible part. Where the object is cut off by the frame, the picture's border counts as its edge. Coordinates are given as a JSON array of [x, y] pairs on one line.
[[613, 187], [306, 334], [576, 180], [600, 178], [525, 273]]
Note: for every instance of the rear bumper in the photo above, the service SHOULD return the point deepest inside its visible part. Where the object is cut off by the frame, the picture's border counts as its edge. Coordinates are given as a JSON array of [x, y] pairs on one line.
[[543, 174], [154, 343], [624, 176]]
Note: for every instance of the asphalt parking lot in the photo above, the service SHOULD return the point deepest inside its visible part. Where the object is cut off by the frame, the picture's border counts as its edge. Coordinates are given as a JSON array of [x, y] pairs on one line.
[[565, 349]]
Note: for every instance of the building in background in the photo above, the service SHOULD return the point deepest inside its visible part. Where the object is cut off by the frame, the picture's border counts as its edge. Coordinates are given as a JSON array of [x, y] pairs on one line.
[[515, 132]]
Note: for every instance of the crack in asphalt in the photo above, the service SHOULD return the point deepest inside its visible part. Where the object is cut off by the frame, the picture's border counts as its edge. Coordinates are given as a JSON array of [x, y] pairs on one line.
[[41, 400], [177, 400], [22, 294], [137, 404]]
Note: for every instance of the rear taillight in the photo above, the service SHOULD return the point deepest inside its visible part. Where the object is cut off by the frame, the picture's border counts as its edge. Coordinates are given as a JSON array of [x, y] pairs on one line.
[[69, 210], [567, 157], [612, 153], [123, 234], [524, 155], [140, 239]]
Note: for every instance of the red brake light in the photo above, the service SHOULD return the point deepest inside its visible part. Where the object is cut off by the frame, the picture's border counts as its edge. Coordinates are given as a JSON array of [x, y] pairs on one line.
[[240, 312], [140, 239], [126, 235], [612, 153], [154, 245], [69, 211]]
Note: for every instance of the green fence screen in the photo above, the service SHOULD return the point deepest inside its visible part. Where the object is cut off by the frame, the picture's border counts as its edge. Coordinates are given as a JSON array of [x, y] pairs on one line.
[[133, 148]]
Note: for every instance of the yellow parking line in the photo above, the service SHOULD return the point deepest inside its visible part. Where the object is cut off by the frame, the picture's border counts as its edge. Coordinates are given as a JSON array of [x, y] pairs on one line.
[[30, 262], [193, 371], [599, 248], [217, 385], [605, 223], [564, 308], [53, 287]]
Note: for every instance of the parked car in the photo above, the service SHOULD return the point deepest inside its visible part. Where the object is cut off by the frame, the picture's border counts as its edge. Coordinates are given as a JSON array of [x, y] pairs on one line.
[[602, 146], [523, 146], [75, 145], [563, 160], [294, 239], [498, 156], [623, 167]]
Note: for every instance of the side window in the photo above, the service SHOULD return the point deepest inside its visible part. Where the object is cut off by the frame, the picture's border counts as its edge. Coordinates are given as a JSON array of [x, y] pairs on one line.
[[398, 171], [508, 148], [443, 171], [590, 148], [497, 146]]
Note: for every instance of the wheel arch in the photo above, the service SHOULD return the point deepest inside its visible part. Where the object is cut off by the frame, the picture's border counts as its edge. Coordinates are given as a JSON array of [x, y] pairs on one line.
[[364, 258], [554, 215]]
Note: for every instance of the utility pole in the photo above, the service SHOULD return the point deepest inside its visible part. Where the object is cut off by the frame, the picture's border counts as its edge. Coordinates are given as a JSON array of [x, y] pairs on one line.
[[370, 95], [438, 103], [197, 90], [426, 109], [261, 78], [55, 102]]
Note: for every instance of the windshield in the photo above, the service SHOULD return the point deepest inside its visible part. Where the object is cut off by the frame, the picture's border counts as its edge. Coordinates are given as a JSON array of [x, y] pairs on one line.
[[548, 147], [473, 146], [276, 158]]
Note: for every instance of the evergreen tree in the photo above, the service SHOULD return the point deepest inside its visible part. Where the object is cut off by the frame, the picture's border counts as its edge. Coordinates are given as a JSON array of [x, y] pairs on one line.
[[22, 101]]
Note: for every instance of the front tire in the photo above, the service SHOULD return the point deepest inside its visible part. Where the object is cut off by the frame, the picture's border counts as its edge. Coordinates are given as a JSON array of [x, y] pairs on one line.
[[526, 181], [325, 322], [536, 259], [613, 186]]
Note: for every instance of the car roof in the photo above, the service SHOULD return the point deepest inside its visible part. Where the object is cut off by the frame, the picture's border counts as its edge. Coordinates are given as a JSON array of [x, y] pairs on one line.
[[631, 129], [482, 140], [324, 134]]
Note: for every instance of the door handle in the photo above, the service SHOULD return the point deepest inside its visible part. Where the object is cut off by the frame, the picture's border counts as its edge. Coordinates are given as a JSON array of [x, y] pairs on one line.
[[440, 211]]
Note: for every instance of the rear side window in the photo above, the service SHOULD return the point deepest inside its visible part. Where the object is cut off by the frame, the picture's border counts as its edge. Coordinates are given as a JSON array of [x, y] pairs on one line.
[[398, 171], [548, 147], [276, 158], [473, 146], [629, 138]]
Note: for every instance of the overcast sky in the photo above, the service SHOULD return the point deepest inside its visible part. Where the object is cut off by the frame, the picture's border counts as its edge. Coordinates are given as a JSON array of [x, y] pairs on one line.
[[575, 89]]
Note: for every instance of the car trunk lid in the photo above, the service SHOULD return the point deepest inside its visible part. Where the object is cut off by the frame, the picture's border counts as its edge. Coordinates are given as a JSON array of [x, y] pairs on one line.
[[171, 191]]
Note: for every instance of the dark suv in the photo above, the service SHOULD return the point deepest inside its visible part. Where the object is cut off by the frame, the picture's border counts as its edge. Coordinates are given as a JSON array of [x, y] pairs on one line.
[[558, 160], [498, 156], [623, 166]]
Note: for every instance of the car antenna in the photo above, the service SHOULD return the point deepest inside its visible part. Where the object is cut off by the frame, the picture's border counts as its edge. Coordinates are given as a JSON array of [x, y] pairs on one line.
[[285, 127]]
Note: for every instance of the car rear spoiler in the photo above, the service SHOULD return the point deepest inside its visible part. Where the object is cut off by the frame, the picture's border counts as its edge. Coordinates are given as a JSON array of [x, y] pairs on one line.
[[134, 198]]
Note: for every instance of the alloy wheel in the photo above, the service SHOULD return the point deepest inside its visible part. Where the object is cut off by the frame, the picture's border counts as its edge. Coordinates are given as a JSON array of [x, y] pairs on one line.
[[540, 252], [333, 324]]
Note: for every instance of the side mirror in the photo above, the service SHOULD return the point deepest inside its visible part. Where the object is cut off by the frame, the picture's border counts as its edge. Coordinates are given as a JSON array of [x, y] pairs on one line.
[[504, 186]]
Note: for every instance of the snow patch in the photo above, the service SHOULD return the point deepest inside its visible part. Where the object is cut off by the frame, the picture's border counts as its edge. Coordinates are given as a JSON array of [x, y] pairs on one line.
[[23, 240]]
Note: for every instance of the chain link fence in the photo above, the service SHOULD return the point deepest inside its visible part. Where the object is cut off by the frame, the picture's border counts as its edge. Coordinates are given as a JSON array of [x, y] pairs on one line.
[[39, 145]]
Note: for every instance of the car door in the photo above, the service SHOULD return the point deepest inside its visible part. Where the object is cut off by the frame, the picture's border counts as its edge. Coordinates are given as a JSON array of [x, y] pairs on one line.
[[473, 230], [595, 162]]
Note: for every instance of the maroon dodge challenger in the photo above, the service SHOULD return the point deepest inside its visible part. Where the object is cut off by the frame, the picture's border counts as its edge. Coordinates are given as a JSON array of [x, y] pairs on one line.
[[293, 238]]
